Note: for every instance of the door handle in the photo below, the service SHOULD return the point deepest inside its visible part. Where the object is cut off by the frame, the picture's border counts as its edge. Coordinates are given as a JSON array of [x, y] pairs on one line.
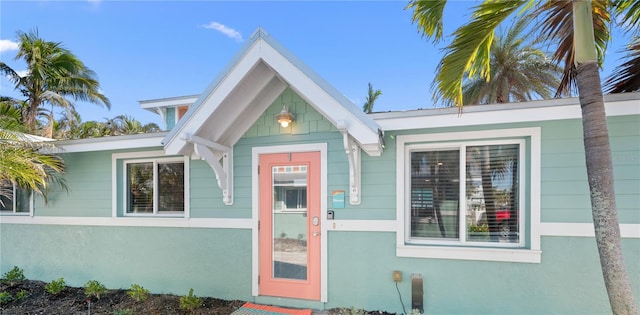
[[316, 233]]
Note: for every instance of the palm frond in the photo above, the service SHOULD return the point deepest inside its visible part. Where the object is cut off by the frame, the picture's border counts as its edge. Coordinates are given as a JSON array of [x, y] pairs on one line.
[[626, 77], [55, 77], [23, 163], [629, 13], [469, 53], [520, 71], [428, 14], [558, 30]]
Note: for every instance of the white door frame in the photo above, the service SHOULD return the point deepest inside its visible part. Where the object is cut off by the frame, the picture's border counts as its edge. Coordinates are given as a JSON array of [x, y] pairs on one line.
[[255, 203]]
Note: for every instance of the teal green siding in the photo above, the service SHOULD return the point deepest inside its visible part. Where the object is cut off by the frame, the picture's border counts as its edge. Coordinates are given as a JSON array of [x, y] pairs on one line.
[[564, 187], [306, 118], [214, 262], [170, 117], [88, 177], [217, 262], [568, 281]]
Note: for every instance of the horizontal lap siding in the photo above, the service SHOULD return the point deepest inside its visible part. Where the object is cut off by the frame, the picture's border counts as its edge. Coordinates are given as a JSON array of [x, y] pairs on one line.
[[564, 187], [88, 177]]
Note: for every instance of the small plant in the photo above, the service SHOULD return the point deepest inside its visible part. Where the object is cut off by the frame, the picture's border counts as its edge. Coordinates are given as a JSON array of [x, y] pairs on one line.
[[55, 286], [138, 293], [94, 288], [13, 276], [479, 228], [353, 311], [5, 297], [21, 294], [190, 302], [122, 312]]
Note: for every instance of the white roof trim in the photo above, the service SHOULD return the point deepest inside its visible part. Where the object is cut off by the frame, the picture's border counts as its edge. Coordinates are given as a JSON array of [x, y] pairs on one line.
[[475, 115], [140, 141], [268, 66], [157, 105]]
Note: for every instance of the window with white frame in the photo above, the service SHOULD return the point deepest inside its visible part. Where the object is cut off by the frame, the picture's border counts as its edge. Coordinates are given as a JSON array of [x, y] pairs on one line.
[[471, 195], [14, 200], [155, 186], [465, 193]]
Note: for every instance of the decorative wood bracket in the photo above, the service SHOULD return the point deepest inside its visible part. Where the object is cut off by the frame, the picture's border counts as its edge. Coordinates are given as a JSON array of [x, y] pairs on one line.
[[213, 153], [162, 112], [352, 150]]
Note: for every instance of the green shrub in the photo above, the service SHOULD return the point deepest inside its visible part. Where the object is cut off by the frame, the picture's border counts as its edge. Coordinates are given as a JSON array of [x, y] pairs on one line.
[[55, 286], [190, 302], [138, 293], [21, 294], [94, 288], [479, 228], [353, 311], [5, 297], [13, 276]]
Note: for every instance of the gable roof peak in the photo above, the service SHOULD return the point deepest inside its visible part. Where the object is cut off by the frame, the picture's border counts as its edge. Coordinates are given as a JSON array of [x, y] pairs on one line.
[[259, 32], [259, 72]]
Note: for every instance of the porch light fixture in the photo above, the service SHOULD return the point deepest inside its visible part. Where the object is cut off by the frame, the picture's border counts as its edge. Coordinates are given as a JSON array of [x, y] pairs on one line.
[[285, 117]]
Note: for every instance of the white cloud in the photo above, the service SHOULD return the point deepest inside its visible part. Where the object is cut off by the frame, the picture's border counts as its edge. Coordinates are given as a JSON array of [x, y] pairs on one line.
[[22, 73], [6, 45], [227, 31]]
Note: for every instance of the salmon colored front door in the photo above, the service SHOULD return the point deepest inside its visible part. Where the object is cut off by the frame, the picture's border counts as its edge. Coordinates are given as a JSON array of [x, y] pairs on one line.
[[289, 227]]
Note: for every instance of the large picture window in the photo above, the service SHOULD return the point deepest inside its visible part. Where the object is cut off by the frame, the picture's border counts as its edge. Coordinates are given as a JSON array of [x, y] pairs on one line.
[[155, 187], [466, 194], [14, 200], [472, 195]]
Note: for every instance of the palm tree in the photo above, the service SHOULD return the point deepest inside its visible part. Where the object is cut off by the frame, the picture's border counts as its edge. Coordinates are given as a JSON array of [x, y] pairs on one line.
[[10, 115], [24, 165], [75, 128], [127, 125], [519, 71], [54, 75], [587, 24], [371, 99]]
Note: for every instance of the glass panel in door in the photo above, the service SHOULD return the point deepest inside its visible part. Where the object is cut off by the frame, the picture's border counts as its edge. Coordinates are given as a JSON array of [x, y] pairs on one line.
[[289, 217]]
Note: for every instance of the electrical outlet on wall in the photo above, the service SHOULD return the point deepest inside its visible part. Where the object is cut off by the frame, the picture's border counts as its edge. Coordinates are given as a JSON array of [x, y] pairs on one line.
[[397, 276]]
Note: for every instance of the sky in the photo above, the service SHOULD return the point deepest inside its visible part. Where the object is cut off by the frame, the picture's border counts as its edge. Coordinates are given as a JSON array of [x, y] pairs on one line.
[[143, 50]]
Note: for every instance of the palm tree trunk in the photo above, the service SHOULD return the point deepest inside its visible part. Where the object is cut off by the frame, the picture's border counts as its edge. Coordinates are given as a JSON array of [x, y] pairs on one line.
[[488, 193], [600, 175]]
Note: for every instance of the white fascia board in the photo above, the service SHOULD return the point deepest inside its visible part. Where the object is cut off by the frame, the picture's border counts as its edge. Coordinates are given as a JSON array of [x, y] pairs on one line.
[[499, 113], [209, 104], [322, 101], [168, 102], [110, 143]]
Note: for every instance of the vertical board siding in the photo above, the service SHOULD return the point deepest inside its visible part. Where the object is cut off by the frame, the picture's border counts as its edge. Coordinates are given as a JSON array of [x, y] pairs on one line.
[[170, 117]]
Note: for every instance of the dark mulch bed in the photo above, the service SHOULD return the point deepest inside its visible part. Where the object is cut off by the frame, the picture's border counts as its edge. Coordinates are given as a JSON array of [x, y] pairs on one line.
[[73, 301]]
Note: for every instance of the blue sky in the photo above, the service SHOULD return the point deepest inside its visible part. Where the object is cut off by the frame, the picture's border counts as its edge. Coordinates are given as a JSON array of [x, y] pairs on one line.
[[145, 50]]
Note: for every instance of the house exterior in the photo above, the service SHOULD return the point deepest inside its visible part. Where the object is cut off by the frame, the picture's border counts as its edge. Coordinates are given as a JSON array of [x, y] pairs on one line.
[[484, 212]]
